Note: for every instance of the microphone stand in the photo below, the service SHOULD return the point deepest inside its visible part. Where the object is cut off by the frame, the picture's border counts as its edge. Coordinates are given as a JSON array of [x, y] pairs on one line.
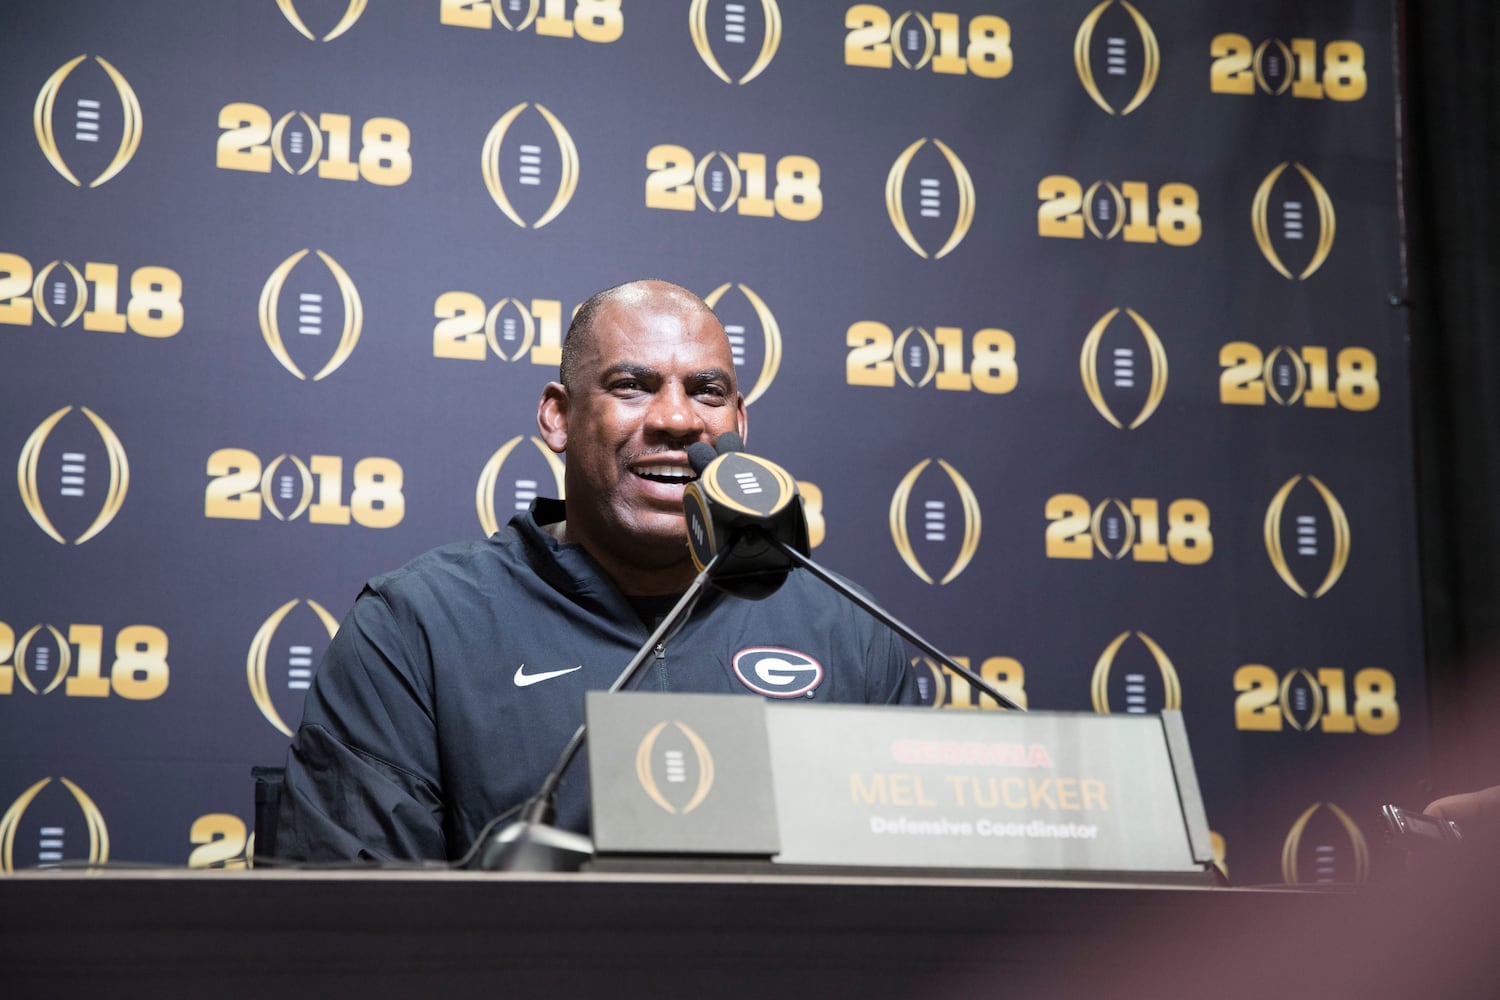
[[529, 842]]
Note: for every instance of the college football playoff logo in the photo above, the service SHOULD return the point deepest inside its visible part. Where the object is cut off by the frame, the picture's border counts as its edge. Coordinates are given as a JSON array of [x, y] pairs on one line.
[[528, 160], [1301, 700], [1316, 534], [291, 672], [48, 827], [1118, 54], [1123, 380], [1324, 846], [1134, 695], [90, 126], [309, 315], [940, 501], [75, 462], [53, 655], [1279, 218], [674, 767], [940, 202], [711, 22]]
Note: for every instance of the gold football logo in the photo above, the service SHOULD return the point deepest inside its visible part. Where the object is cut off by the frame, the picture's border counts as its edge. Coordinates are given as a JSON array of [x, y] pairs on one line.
[[1099, 685], [969, 503], [1298, 371], [1291, 848], [256, 660], [676, 766], [1339, 557], [114, 496], [93, 821], [929, 39], [770, 333], [270, 326], [703, 185], [314, 146], [1306, 700], [1091, 217], [770, 41], [80, 293], [895, 185], [567, 181], [492, 326], [1088, 363], [268, 489], [1151, 56], [1113, 513], [130, 126], [351, 14], [1258, 65], [484, 492], [928, 350], [1293, 221], [64, 659]]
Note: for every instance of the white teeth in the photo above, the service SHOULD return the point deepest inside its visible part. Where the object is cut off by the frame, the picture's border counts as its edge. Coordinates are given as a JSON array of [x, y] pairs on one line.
[[667, 471]]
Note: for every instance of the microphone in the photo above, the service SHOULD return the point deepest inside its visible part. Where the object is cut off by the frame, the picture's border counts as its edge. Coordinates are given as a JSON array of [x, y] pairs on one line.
[[746, 510]]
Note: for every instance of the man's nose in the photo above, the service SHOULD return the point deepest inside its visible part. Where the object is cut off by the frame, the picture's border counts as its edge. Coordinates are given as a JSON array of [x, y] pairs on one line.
[[673, 414]]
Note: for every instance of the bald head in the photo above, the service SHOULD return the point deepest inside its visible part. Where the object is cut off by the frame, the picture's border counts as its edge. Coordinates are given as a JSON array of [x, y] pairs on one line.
[[658, 294]]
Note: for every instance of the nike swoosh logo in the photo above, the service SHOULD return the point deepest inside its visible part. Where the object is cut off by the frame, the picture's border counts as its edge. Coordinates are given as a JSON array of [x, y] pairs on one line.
[[523, 679]]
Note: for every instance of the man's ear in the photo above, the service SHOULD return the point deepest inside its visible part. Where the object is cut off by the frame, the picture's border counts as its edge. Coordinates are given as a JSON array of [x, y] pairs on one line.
[[742, 416], [552, 417]]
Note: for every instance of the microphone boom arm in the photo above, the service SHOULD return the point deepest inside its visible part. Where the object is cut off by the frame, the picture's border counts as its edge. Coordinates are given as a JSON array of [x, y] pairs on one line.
[[896, 624]]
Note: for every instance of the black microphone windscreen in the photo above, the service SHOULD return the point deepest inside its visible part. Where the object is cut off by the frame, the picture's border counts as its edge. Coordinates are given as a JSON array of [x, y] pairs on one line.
[[699, 455], [729, 441]]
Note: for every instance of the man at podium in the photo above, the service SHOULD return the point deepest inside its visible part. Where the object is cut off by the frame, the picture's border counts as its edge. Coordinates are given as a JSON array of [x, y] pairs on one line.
[[454, 681]]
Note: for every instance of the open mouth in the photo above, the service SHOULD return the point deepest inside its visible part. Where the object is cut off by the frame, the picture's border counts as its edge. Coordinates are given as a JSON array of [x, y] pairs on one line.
[[671, 475]]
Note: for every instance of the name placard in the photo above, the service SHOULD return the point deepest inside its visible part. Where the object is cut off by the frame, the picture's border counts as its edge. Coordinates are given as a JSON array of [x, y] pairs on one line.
[[896, 787]]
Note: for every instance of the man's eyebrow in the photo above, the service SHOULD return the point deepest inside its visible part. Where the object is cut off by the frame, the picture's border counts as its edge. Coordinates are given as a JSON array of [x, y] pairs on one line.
[[641, 372], [712, 375]]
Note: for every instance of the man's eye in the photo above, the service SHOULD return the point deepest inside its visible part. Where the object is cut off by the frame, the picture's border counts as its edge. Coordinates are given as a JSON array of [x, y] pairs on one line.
[[715, 391], [625, 385]]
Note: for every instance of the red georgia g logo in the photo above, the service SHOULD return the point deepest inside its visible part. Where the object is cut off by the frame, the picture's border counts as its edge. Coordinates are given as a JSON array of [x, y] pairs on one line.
[[777, 672]]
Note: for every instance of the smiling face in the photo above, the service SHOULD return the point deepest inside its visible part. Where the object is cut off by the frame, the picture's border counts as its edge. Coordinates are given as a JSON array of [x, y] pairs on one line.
[[653, 376]]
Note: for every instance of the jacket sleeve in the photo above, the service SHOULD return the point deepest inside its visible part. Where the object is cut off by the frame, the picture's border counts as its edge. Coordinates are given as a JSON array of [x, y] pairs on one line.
[[362, 775]]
